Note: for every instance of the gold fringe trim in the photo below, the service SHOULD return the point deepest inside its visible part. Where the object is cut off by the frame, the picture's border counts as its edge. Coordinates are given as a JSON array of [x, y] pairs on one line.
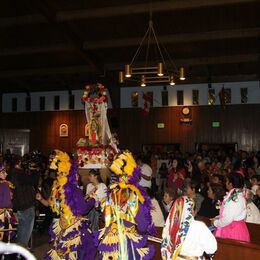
[[112, 236], [142, 251]]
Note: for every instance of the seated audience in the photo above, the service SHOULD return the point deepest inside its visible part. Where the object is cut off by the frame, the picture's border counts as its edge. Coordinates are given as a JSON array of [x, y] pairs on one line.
[[231, 220], [163, 175], [176, 175], [218, 178], [168, 198], [252, 212], [256, 198], [255, 183], [210, 205], [191, 190], [146, 173], [183, 237], [156, 212]]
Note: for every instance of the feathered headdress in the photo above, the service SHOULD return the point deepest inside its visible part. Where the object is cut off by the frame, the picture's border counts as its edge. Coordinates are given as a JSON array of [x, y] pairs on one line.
[[60, 162], [123, 165]]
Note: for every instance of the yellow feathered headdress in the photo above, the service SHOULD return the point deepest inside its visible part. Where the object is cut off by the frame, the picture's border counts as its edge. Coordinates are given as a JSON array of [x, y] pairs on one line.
[[61, 163], [123, 164]]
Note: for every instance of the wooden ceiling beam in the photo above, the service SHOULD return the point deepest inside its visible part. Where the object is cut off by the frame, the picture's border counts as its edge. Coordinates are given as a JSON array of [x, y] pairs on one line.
[[22, 20], [177, 38], [231, 59], [126, 42], [159, 6], [196, 61], [47, 71], [36, 49], [224, 78]]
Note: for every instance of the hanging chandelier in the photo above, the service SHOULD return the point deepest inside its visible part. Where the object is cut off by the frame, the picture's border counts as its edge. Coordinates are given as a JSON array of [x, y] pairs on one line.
[[153, 71]]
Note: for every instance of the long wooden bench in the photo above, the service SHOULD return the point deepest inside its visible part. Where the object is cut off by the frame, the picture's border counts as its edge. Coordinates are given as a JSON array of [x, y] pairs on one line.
[[254, 229], [236, 250], [227, 249]]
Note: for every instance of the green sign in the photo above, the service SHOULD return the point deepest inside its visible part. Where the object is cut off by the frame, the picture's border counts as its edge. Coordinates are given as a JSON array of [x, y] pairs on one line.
[[160, 125], [215, 124]]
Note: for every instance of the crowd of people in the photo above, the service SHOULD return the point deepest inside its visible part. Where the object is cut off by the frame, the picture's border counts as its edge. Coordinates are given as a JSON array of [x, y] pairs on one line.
[[107, 220]]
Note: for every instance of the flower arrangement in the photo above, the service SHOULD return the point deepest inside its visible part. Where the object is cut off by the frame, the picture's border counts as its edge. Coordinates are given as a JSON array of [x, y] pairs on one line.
[[94, 93]]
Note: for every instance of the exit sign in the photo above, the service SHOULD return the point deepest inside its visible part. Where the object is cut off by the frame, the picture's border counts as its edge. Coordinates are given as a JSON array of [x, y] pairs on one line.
[[160, 125], [215, 124]]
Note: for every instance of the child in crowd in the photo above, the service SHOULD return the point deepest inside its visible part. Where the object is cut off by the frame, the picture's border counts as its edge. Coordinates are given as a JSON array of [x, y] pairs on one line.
[[252, 212], [192, 190], [255, 183], [156, 212], [256, 198], [169, 197], [98, 190]]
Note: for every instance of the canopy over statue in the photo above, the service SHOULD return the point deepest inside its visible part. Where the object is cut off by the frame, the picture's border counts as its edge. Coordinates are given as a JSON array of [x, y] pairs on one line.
[[99, 146]]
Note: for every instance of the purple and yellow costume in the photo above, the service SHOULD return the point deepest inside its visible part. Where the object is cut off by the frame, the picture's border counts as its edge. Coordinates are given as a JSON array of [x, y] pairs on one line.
[[6, 211], [70, 234], [127, 215]]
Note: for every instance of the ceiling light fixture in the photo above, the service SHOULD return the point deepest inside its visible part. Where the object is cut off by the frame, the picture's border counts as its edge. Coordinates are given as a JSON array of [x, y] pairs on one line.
[[152, 71]]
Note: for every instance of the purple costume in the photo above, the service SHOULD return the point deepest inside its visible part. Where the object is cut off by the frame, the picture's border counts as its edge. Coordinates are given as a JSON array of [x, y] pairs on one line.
[[70, 234], [6, 212], [127, 215]]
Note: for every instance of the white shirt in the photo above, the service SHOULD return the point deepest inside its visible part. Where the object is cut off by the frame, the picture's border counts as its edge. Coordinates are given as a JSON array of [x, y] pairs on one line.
[[254, 189], [253, 213], [100, 191], [157, 215], [147, 171], [233, 211], [199, 239]]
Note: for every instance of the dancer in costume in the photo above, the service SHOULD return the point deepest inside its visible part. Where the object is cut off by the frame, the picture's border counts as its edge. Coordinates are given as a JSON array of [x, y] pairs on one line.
[[70, 234], [127, 214], [6, 211], [180, 234], [232, 214]]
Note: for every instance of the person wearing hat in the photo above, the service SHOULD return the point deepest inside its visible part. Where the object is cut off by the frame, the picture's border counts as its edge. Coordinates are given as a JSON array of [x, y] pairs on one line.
[[6, 212]]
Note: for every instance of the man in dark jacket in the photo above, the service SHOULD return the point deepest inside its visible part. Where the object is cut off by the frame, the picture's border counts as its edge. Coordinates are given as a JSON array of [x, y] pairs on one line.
[[25, 182]]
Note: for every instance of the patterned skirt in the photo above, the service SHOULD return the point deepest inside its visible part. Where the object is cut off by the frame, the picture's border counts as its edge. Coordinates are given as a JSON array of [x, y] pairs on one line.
[[7, 224], [123, 244]]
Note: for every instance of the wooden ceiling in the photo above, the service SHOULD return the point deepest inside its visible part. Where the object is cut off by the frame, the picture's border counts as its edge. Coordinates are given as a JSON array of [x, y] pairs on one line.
[[63, 44]]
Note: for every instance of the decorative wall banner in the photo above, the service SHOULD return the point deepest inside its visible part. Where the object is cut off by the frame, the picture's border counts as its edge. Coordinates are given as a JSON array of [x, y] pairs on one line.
[[186, 116], [64, 130]]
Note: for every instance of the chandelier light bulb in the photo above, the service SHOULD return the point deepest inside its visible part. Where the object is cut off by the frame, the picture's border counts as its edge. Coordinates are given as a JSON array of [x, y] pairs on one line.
[[128, 71], [160, 69], [143, 81], [182, 75]]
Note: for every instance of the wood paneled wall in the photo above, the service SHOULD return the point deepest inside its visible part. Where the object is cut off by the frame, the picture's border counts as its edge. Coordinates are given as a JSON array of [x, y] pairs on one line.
[[44, 128], [239, 124]]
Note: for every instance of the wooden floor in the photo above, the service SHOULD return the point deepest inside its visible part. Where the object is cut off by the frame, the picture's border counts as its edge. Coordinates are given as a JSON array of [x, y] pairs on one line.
[[40, 245]]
